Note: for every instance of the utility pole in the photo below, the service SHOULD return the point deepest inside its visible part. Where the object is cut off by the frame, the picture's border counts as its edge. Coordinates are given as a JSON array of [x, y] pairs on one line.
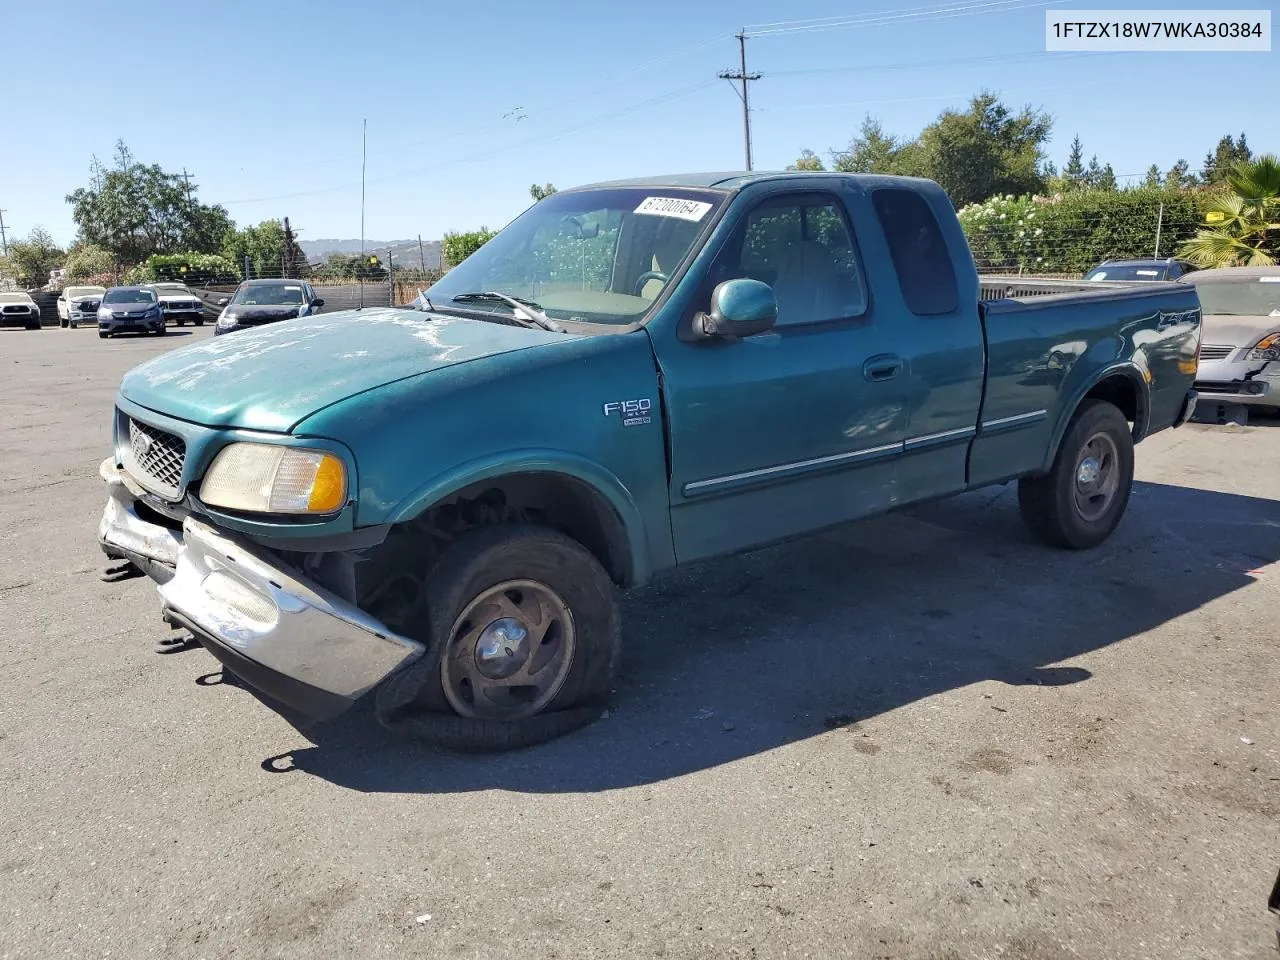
[[743, 77], [186, 178], [422, 257], [364, 143], [4, 240], [1159, 226]]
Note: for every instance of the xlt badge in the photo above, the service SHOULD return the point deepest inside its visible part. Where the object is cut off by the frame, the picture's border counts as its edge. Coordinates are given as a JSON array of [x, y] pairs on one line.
[[633, 412]]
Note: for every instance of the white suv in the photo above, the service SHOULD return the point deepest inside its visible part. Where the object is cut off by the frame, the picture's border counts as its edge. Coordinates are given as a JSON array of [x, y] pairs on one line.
[[79, 305]]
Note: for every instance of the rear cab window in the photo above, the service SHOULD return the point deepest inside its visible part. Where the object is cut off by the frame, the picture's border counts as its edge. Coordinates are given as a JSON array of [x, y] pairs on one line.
[[925, 270]]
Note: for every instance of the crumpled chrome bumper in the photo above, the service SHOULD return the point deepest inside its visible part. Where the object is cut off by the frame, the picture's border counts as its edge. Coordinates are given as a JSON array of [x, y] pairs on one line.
[[123, 534], [302, 646]]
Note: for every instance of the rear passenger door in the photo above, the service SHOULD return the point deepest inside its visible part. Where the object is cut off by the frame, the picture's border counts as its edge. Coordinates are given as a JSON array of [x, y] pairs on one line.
[[797, 428], [931, 291]]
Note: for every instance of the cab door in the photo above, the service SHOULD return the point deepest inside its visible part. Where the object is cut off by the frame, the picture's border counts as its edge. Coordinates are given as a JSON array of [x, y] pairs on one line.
[[800, 427]]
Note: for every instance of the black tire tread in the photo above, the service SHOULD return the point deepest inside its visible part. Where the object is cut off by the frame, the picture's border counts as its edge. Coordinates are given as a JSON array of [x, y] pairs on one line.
[[410, 702], [1041, 499]]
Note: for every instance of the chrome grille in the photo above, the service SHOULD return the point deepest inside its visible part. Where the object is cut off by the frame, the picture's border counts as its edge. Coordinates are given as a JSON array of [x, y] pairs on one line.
[[1215, 352], [158, 454]]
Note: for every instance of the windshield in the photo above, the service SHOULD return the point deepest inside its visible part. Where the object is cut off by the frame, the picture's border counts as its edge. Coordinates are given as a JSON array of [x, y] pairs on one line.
[[269, 295], [15, 298], [1128, 271], [71, 292], [1254, 297], [129, 296], [593, 256], [171, 288]]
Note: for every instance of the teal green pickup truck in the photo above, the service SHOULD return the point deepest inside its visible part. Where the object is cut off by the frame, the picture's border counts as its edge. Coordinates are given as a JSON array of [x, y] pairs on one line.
[[439, 503]]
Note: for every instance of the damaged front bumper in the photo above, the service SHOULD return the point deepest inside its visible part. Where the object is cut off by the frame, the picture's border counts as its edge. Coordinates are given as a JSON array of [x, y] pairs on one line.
[[1254, 383], [299, 644]]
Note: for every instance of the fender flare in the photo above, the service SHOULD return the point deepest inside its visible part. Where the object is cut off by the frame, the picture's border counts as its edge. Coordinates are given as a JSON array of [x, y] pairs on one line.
[[1125, 368], [596, 477]]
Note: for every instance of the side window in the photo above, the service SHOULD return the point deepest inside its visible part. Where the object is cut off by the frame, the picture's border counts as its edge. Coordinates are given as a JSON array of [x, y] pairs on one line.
[[926, 275], [801, 246]]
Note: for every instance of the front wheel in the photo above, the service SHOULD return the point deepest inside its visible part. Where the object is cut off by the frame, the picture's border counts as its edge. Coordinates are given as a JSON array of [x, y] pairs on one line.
[[1080, 501], [523, 637], [199, 323], [102, 334]]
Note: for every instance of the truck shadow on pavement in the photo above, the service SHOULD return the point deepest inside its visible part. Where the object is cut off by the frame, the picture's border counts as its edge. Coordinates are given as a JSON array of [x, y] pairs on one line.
[[736, 657]]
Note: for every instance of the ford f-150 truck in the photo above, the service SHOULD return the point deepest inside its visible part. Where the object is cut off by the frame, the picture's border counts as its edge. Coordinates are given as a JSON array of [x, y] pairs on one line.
[[441, 502]]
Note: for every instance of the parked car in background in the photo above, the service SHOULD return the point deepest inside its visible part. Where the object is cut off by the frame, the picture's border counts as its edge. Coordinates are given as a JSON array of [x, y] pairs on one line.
[[178, 303], [1240, 339], [256, 302], [441, 502], [77, 305], [17, 309], [130, 310], [1153, 269]]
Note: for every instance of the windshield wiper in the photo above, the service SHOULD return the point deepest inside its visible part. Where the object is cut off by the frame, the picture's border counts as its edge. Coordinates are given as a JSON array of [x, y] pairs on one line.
[[525, 308]]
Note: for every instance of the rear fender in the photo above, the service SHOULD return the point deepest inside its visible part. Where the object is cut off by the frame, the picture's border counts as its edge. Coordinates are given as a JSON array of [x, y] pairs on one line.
[[1125, 368]]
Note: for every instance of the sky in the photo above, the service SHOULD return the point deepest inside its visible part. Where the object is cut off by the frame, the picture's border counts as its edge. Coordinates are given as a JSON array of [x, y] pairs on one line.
[[467, 104]]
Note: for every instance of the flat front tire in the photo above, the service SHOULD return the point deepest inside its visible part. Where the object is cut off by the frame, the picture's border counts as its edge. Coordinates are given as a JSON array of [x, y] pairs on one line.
[[1079, 503], [523, 637]]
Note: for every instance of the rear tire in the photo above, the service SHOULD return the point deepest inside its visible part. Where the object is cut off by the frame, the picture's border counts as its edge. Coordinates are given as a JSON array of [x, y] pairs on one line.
[[573, 637], [1079, 503], [199, 323], [33, 325]]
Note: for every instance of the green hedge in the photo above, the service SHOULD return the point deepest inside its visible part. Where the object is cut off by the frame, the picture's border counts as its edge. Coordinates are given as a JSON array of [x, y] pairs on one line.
[[194, 268], [1070, 233]]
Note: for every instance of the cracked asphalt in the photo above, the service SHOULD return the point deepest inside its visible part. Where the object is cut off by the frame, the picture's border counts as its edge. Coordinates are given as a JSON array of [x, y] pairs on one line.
[[923, 736]]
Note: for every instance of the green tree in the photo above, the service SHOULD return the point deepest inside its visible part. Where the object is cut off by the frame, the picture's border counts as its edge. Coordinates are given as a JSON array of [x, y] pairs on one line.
[[986, 150], [30, 260], [1099, 177], [1229, 152], [808, 160], [1242, 225], [352, 266], [874, 151], [264, 245], [86, 260], [540, 193], [456, 247], [1179, 176], [134, 210], [1073, 172], [1153, 179]]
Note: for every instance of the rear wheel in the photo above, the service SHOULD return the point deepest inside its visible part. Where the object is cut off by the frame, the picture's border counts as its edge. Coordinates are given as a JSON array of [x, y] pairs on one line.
[[199, 323], [523, 643], [1080, 501]]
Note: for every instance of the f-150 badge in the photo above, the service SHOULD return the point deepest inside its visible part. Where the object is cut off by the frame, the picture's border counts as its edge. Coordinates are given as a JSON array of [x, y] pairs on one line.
[[633, 412]]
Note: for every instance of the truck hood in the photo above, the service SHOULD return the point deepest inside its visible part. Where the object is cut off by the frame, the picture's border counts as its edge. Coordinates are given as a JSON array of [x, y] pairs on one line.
[[274, 376]]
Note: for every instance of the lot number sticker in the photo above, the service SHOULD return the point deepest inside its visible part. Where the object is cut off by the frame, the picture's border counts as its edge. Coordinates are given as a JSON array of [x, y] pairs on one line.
[[693, 210]]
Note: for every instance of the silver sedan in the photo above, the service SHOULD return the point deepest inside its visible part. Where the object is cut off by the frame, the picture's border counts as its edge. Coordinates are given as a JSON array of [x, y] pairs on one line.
[[1239, 335]]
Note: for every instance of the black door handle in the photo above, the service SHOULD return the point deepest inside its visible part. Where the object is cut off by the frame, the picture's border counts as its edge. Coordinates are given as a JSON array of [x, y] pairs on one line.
[[884, 367]]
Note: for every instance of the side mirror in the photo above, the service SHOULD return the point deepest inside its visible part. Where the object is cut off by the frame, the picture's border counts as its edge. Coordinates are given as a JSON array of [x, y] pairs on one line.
[[317, 303], [223, 301], [739, 308]]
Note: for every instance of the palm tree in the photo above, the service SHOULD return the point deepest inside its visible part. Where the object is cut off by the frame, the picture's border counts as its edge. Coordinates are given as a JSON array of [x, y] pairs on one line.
[[1246, 220]]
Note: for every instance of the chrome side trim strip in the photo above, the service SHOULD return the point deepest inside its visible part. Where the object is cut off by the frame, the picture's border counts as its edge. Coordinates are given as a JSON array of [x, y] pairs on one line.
[[702, 486], [1012, 423], [938, 439]]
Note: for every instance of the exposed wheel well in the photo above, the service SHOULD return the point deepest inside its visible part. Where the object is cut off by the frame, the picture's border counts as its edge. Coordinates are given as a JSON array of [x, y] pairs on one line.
[[555, 500], [1122, 393]]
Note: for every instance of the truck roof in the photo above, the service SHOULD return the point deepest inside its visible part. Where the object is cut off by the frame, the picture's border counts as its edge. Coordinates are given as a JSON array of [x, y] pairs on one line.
[[725, 180]]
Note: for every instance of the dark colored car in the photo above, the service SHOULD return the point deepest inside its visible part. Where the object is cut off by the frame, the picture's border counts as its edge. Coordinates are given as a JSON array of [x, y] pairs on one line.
[[1170, 269], [256, 302], [130, 310]]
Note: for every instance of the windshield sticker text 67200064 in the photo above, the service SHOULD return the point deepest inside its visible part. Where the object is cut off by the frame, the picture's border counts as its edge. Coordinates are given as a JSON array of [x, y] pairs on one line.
[[693, 210]]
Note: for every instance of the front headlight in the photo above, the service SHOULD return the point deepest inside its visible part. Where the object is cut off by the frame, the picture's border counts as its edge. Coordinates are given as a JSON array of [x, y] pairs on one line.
[[1268, 348], [268, 478], [227, 320]]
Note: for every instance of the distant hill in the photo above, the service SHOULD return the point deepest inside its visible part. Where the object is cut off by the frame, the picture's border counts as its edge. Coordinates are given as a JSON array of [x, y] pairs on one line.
[[405, 252]]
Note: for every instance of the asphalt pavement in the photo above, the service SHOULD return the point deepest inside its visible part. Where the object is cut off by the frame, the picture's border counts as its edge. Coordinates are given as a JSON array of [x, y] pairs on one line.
[[923, 736]]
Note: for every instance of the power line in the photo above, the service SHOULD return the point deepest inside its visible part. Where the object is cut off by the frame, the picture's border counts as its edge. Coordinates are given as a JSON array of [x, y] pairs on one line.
[[949, 62], [904, 16], [4, 240], [744, 78]]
